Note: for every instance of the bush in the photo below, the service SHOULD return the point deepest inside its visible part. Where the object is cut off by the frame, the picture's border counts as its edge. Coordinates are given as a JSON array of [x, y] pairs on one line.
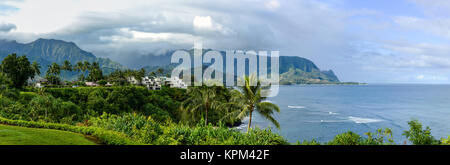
[[445, 141], [348, 138], [146, 130], [417, 136], [305, 142], [155, 112], [27, 96]]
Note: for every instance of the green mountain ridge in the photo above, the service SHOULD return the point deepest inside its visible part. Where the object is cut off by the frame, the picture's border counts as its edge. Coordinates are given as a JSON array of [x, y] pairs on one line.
[[293, 69], [47, 51]]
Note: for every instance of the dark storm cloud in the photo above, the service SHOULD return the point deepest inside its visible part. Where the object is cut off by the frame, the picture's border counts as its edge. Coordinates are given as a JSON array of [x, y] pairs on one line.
[[7, 27]]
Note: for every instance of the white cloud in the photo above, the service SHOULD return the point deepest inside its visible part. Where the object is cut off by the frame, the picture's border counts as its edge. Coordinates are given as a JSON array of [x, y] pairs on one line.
[[202, 22], [128, 35], [272, 4]]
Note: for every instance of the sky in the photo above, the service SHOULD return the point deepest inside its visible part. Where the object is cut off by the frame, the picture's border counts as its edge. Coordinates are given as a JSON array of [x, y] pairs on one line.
[[373, 41]]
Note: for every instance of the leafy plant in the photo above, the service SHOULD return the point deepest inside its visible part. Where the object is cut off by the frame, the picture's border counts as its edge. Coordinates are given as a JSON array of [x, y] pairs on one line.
[[417, 136]]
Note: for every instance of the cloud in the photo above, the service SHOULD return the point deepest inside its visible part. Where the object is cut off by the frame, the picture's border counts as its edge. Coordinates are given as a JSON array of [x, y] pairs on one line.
[[202, 22], [437, 26], [272, 4], [124, 30], [7, 27], [353, 42], [7, 7]]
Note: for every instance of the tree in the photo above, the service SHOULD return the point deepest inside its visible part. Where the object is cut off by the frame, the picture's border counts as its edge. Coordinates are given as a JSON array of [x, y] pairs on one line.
[[417, 136], [160, 71], [36, 67], [142, 72], [86, 66], [17, 69], [249, 99], [78, 67], [66, 66], [152, 74], [202, 100], [95, 73], [53, 72], [4, 80]]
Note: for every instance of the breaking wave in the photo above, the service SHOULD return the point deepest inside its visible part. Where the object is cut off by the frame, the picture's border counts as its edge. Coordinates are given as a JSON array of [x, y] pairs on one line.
[[360, 120], [295, 107]]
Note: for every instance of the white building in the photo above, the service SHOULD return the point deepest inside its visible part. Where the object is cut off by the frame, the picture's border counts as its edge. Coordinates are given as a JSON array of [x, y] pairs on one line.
[[158, 82], [152, 84], [133, 80], [91, 84], [176, 82]]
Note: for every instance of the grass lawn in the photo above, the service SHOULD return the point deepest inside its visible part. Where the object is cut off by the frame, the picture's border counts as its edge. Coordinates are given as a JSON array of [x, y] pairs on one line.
[[13, 135]]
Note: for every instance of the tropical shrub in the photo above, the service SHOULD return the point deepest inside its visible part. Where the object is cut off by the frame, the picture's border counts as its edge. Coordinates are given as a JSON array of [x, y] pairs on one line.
[[417, 136], [348, 138], [148, 131]]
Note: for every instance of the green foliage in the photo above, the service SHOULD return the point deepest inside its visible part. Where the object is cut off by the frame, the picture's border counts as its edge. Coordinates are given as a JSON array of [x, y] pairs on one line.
[[155, 112], [380, 137], [348, 138], [95, 72], [9, 92], [52, 74], [49, 109], [201, 100], [5, 80], [27, 96], [445, 141], [146, 130], [417, 136], [18, 69], [250, 99], [305, 142], [102, 82]]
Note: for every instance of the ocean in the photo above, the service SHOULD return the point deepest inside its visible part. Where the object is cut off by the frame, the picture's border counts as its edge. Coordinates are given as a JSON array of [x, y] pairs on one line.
[[321, 112]]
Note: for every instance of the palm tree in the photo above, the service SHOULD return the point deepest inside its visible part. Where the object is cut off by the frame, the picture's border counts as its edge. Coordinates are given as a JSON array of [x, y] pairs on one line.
[[249, 99], [86, 66], [53, 72], [152, 74], [160, 71], [36, 67], [66, 66], [78, 67], [202, 100]]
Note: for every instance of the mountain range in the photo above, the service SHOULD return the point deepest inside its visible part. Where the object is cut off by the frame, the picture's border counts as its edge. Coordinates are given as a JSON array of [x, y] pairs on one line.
[[293, 69]]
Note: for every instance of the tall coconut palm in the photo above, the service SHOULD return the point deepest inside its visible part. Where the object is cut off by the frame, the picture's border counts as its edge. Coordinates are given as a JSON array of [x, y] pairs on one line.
[[152, 74], [86, 66], [160, 71], [79, 66], [202, 99], [36, 67], [66, 66], [53, 73], [249, 99]]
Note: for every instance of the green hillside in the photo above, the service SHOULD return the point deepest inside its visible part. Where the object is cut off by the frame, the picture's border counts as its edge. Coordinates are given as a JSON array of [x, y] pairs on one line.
[[47, 51]]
